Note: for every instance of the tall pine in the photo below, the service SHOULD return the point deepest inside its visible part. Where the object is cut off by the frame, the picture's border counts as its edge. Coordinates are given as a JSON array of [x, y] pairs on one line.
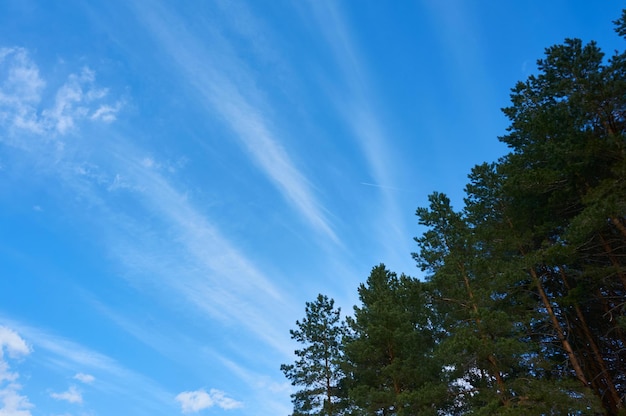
[[317, 371], [389, 355], [564, 184]]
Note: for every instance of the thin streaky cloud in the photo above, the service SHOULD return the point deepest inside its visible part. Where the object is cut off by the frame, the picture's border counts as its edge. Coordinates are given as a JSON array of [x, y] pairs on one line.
[[361, 116], [219, 77], [202, 268], [260, 38], [192, 259], [198, 235], [391, 188], [166, 345], [357, 111]]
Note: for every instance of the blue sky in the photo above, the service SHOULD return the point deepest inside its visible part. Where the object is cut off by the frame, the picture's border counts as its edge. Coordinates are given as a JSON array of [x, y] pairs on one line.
[[178, 178]]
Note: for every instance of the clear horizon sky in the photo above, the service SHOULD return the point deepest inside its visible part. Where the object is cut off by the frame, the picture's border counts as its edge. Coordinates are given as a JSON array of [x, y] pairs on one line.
[[177, 179]]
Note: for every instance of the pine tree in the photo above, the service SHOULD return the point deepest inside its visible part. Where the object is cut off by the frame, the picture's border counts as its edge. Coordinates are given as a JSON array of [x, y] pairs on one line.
[[541, 346], [317, 370], [461, 296], [564, 182], [389, 357], [542, 238]]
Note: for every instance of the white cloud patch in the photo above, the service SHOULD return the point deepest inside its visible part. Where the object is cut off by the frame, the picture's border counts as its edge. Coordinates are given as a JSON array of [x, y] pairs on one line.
[[84, 378], [72, 395], [148, 162], [21, 92], [194, 401], [12, 403], [167, 165], [76, 100], [106, 113], [68, 103], [114, 379], [14, 345], [118, 182]]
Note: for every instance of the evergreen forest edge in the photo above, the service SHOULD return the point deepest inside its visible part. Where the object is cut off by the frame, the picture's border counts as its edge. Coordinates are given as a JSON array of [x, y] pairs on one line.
[[523, 310]]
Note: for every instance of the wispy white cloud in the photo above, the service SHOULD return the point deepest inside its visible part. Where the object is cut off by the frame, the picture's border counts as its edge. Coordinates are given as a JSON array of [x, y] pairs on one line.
[[71, 395], [64, 355], [196, 263], [20, 90], [106, 113], [21, 96], [356, 101], [194, 401], [12, 343], [193, 261], [357, 108], [12, 402], [118, 182], [84, 378], [167, 166], [67, 106], [229, 91], [79, 98]]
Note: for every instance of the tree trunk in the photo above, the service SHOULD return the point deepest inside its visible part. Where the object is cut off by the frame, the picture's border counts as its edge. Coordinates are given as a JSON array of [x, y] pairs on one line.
[[618, 224], [614, 401], [580, 375]]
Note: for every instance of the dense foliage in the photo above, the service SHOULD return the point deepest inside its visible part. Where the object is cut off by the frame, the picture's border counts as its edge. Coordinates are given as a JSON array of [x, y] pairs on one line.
[[523, 311], [318, 368]]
